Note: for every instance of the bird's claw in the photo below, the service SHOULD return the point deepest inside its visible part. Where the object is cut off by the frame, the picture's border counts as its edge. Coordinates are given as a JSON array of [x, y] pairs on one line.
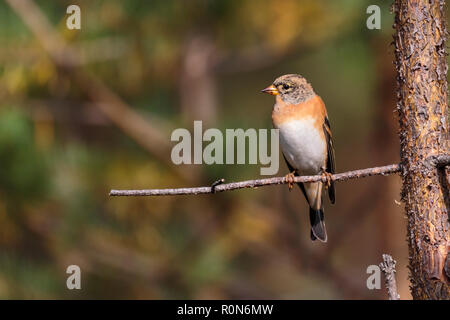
[[215, 184], [290, 180], [328, 178]]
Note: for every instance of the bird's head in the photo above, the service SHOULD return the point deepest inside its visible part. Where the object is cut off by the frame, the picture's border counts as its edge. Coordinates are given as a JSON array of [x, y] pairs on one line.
[[292, 88]]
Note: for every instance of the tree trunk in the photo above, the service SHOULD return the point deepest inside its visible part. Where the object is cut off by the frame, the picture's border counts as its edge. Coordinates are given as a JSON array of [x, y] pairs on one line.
[[423, 115]]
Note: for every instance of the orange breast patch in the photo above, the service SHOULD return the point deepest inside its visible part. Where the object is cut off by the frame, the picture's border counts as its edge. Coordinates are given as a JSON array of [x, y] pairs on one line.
[[314, 108]]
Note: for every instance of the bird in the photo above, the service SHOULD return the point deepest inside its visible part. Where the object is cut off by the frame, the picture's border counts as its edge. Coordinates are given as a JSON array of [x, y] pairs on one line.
[[306, 142]]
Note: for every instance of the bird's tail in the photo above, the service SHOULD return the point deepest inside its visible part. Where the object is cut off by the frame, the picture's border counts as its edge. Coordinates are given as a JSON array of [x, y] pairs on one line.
[[318, 230]]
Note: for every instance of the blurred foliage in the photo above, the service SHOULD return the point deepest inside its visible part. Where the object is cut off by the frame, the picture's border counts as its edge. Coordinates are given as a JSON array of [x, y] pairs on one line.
[[60, 155], [23, 166]]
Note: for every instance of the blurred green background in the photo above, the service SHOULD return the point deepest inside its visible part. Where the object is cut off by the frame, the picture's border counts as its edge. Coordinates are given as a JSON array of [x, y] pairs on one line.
[[98, 115]]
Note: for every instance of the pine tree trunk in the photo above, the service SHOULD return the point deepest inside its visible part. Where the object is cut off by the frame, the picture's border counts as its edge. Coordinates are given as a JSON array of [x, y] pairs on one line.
[[423, 114]]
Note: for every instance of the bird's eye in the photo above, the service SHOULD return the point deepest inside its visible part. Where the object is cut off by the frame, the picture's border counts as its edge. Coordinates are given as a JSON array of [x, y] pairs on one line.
[[285, 86]]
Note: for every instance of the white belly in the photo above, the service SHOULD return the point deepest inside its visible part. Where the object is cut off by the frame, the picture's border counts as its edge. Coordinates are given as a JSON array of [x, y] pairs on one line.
[[303, 145]]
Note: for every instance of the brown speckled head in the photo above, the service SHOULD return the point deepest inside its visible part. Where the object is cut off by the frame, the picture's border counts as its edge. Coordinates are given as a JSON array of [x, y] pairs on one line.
[[293, 88]]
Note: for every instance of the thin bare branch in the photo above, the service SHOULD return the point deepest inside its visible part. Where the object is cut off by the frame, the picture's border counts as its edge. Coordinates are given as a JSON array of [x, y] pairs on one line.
[[385, 170], [438, 161], [388, 268]]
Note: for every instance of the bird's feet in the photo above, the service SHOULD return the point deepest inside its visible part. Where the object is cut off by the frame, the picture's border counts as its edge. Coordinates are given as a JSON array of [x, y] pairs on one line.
[[290, 180], [328, 177]]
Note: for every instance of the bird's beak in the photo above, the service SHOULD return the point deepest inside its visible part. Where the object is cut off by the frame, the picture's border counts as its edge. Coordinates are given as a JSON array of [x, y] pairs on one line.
[[271, 90]]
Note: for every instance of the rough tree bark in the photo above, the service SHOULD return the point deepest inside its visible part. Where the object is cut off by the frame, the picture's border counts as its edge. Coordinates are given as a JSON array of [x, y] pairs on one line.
[[423, 114]]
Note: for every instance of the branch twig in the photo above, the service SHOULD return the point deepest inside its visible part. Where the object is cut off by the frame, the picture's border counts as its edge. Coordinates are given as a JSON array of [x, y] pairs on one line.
[[440, 160], [388, 268], [437, 161], [385, 170]]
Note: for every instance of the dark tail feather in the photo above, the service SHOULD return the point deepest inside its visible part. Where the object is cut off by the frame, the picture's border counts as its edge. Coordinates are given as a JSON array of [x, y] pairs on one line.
[[318, 230]]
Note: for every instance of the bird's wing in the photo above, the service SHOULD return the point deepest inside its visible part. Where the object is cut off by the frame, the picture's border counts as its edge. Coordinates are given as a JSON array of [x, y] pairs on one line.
[[330, 159]]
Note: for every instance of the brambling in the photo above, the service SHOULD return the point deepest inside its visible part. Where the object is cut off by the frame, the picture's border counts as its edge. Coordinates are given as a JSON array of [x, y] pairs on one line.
[[305, 140]]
